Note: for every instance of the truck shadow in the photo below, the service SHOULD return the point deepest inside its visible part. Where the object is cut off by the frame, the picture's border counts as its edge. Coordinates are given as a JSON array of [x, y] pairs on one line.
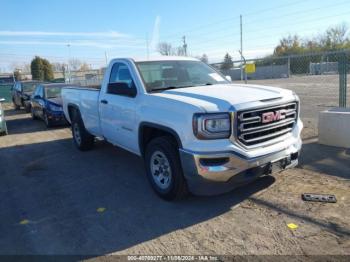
[[333, 161], [56, 200]]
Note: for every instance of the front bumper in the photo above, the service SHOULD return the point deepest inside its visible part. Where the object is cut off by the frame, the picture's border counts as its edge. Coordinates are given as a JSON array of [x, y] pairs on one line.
[[3, 127], [219, 172]]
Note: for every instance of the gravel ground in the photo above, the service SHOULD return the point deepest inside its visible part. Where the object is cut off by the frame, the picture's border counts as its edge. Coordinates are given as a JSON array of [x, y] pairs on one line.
[[57, 200]]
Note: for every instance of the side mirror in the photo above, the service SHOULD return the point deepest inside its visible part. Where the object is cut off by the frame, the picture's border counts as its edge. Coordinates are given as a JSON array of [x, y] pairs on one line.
[[122, 88], [228, 78], [37, 97], [2, 100]]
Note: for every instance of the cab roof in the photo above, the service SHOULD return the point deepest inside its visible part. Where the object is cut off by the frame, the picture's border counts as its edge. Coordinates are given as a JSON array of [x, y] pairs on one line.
[[163, 58]]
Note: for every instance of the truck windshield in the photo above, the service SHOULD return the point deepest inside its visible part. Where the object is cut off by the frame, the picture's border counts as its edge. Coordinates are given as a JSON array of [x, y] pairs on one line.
[[53, 92], [162, 75], [29, 87]]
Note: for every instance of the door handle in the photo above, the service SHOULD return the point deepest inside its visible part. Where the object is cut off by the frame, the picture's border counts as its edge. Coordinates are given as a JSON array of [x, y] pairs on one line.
[[104, 101]]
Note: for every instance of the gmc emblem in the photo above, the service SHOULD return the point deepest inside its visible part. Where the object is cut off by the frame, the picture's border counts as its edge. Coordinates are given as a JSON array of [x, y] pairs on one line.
[[273, 116]]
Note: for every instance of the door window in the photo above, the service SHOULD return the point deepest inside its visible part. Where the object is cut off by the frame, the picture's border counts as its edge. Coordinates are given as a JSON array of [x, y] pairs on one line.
[[120, 81]]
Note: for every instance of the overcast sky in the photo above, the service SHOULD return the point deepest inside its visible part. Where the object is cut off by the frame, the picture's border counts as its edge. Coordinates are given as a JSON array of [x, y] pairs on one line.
[[88, 30]]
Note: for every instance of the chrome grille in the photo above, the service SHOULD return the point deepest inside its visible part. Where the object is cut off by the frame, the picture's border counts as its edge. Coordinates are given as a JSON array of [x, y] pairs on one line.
[[256, 126]]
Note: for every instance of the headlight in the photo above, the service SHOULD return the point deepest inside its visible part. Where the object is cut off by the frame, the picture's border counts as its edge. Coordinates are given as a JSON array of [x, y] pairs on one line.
[[55, 108], [212, 126]]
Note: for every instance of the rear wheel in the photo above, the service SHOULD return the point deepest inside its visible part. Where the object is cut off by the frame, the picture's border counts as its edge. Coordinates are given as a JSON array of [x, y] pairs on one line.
[[83, 140], [164, 169]]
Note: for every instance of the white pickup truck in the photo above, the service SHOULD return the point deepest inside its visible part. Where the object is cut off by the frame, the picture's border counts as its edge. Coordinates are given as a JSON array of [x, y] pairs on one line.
[[195, 130]]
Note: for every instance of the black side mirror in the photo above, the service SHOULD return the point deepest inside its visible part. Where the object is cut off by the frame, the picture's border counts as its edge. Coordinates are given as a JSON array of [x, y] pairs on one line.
[[37, 97], [122, 88]]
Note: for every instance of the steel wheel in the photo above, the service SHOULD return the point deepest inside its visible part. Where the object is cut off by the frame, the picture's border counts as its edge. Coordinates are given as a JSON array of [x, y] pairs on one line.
[[47, 121], [160, 169], [76, 133]]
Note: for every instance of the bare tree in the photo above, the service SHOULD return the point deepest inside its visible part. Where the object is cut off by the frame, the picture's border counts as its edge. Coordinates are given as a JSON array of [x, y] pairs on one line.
[[165, 48], [204, 58], [74, 64], [335, 37], [85, 67], [59, 67]]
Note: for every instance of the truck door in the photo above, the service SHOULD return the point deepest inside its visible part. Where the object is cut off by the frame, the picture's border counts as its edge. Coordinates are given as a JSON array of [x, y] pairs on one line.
[[117, 108]]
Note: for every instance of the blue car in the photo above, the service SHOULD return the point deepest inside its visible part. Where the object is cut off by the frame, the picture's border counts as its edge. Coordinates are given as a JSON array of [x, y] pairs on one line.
[[46, 104]]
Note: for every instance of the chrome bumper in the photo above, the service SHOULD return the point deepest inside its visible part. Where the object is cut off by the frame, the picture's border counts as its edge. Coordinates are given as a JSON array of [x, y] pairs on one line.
[[230, 168]]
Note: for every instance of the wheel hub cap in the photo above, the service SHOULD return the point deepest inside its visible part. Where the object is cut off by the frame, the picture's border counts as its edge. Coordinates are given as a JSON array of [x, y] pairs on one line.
[[160, 169]]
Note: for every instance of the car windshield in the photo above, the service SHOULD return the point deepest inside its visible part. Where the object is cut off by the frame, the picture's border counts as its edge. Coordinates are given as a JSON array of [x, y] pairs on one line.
[[29, 87], [52, 92], [162, 75]]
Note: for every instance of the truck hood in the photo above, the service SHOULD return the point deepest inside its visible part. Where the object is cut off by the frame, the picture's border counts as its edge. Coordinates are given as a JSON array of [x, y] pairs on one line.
[[56, 100], [222, 97]]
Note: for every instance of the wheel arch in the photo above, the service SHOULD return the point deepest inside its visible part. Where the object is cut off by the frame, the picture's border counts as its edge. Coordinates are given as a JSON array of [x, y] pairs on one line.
[[149, 130], [72, 108]]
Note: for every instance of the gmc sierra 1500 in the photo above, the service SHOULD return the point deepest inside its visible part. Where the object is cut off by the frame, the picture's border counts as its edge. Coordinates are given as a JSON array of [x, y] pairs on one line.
[[194, 129]]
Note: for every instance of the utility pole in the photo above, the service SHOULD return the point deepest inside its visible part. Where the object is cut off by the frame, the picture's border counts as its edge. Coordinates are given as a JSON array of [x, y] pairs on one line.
[[106, 57], [68, 67], [184, 45], [147, 47], [241, 27]]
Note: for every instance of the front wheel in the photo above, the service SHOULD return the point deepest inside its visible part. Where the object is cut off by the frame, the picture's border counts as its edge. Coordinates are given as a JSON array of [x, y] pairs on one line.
[[28, 108], [83, 140], [164, 169], [33, 114], [47, 121]]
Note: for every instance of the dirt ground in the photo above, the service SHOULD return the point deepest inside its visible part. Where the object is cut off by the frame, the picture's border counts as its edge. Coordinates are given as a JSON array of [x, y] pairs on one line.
[[57, 200]]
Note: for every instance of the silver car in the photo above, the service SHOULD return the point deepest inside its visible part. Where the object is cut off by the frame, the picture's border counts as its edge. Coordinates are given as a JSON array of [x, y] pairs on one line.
[[3, 127]]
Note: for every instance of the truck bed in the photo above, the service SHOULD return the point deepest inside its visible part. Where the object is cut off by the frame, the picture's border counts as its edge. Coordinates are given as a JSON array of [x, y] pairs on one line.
[[87, 100]]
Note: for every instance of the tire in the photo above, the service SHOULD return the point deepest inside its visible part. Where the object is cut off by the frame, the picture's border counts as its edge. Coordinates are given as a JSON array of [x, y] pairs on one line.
[[28, 108], [83, 140], [164, 169], [34, 117], [47, 121]]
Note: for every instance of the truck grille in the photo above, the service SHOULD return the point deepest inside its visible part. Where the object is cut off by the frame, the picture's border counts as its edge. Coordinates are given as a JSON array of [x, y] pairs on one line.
[[264, 124]]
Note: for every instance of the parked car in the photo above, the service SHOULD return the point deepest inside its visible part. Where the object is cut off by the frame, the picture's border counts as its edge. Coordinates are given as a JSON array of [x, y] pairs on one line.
[[194, 129], [46, 104], [3, 127], [21, 94]]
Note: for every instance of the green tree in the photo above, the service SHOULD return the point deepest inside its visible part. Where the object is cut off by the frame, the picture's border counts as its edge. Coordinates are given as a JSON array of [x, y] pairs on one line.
[[41, 69], [37, 69], [48, 71], [228, 63]]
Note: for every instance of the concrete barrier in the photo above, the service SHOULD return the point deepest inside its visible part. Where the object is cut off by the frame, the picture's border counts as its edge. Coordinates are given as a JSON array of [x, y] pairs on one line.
[[334, 127]]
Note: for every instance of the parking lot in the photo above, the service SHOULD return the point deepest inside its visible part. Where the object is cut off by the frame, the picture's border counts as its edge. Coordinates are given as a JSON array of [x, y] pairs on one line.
[[58, 200]]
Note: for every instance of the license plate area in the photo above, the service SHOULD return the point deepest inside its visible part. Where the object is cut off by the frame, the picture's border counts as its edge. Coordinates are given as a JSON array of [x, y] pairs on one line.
[[280, 165]]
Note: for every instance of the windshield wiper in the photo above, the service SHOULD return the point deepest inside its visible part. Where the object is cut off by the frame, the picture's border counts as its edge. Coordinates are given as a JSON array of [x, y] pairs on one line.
[[170, 87]]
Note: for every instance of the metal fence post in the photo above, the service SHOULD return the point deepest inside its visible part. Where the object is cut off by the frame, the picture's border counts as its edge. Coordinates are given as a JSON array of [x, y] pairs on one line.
[[288, 66], [342, 68]]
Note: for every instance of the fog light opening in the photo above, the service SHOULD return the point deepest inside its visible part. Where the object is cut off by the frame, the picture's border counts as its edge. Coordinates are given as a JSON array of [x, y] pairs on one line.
[[214, 161]]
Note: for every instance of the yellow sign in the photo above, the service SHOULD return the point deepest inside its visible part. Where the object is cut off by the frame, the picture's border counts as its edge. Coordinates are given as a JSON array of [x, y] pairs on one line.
[[250, 68]]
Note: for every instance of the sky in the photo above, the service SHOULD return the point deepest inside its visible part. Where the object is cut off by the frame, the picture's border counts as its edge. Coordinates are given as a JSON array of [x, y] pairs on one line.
[[96, 31]]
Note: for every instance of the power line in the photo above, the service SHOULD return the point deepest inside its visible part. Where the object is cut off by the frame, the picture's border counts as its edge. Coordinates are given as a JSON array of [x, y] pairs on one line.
[[269, 18], [229, 36], [232, 18]]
